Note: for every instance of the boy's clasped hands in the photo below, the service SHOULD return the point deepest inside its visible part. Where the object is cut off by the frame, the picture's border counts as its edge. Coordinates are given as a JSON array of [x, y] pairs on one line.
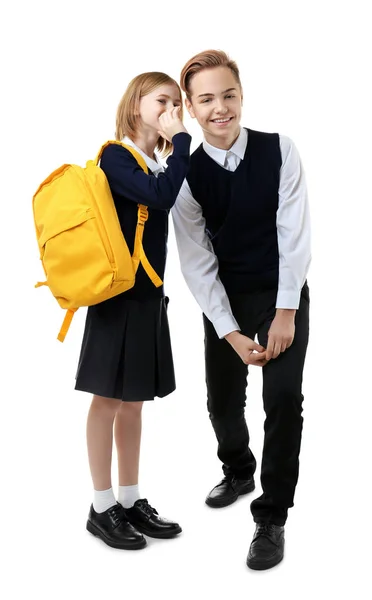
[[280, 337]]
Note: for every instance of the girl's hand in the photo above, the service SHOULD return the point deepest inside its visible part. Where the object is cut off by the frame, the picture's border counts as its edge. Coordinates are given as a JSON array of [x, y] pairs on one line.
[[171, 124]]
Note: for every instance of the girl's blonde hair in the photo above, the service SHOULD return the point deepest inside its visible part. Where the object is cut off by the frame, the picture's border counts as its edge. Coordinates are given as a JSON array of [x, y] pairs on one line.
[[206, 60], [127, 114]]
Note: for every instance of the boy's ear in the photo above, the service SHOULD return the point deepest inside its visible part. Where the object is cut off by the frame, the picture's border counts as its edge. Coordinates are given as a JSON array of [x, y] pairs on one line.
[[189, 108]]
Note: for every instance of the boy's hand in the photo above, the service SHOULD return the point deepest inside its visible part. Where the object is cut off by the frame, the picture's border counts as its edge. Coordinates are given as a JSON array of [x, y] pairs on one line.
[[281, 332], [250, 352]]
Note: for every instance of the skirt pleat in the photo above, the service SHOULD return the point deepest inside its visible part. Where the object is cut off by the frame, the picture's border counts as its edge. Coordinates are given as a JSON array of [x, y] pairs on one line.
[[126, 350]]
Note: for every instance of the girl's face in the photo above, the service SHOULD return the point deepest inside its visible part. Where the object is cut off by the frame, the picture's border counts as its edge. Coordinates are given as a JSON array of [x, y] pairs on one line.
[[216, 102], [154, 104]]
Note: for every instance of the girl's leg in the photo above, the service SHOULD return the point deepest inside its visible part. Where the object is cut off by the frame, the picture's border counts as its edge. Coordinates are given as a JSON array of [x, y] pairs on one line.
[[107, 519], [99, 439], [140, 513], [127, 428]]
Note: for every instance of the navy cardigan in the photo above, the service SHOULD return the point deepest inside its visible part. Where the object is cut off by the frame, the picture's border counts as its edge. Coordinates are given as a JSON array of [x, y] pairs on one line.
[[130, 186]]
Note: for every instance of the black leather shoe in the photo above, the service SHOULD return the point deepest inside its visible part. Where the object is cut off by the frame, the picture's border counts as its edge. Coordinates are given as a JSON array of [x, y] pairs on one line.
[[267, 547], [228, 490], [113, 527], [146, 519]]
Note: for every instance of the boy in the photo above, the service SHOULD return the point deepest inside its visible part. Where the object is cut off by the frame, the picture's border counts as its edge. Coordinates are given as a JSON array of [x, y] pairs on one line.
[[243, 234]]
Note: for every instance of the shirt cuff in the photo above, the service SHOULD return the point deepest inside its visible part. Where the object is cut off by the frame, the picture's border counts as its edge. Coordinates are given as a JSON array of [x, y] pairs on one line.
[[225, 325], [288, 299]]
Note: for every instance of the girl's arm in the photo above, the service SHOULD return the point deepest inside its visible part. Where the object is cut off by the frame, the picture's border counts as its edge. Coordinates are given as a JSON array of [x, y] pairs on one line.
[[127, 179]]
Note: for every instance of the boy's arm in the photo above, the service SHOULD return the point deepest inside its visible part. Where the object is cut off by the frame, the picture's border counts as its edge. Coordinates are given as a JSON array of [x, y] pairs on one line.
[[293, 227], [199, 266]]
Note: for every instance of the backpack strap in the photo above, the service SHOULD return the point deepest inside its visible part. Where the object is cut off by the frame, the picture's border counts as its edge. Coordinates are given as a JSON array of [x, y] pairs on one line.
[[66, 321], [137, 155], [66, 324], [138, 255]]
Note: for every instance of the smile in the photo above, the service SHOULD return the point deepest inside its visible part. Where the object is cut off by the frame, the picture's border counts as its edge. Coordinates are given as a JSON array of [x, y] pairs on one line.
[[222, 121]]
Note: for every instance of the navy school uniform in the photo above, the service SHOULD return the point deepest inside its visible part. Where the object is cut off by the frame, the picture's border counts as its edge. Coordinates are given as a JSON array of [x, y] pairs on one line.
[[126, 349], [236, 253]]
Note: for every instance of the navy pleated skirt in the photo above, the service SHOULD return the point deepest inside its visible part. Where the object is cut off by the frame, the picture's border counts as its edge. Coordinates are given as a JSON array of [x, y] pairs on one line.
[[126, 350]]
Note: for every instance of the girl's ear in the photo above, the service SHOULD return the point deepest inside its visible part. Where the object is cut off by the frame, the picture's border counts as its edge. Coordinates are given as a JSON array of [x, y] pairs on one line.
[[189, 108]]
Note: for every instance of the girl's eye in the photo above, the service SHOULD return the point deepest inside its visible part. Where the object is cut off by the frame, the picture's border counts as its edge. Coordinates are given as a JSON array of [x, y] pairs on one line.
[[230, 96], [161, 101], [206, 100]]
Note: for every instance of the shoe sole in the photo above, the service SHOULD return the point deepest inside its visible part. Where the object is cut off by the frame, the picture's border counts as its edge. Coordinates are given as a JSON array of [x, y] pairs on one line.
[[158, 535], [130, 546], [219, 504], [264, 566]]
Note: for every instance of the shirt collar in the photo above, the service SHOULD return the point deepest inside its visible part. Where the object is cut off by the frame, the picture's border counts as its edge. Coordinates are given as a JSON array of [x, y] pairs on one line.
[[152, 164], [238, 148]]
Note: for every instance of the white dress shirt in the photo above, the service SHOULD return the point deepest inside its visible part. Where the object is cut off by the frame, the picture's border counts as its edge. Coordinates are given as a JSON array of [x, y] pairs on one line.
[[199, 263]]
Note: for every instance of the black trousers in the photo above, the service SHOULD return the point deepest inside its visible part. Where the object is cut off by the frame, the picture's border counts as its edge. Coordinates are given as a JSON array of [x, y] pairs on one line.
[[226, 379]]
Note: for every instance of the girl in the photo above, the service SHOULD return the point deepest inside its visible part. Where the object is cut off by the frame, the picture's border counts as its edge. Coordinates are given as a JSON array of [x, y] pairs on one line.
[[126, 355]]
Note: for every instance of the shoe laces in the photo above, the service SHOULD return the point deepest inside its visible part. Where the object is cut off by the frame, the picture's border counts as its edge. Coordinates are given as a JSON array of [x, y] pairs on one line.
[[116, 514], [265, 530], [227, 479], [146, 507]]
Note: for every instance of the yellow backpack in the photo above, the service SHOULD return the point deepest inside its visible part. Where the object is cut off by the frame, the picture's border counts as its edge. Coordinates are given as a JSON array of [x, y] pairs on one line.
[[82, 248]]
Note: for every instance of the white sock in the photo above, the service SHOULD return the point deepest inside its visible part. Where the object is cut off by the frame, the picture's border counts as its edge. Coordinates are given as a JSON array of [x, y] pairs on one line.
[[103, 499], [128, 494]]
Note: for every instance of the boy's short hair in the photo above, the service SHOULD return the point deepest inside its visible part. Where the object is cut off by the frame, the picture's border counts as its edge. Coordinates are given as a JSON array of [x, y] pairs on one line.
[[208, 59]]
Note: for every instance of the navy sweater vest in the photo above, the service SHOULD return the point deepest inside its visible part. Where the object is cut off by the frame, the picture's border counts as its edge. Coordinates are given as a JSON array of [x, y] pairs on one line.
[[240, 208]]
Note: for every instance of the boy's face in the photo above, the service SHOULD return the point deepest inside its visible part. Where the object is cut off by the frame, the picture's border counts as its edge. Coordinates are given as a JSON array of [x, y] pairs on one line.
[[216, 101]]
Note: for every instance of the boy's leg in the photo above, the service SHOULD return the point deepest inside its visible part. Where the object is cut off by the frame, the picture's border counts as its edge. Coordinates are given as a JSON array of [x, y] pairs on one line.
[[282, 396], [226, 379]]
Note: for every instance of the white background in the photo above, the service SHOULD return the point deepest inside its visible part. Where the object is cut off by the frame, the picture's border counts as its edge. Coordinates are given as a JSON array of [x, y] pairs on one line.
[[305, 73]]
